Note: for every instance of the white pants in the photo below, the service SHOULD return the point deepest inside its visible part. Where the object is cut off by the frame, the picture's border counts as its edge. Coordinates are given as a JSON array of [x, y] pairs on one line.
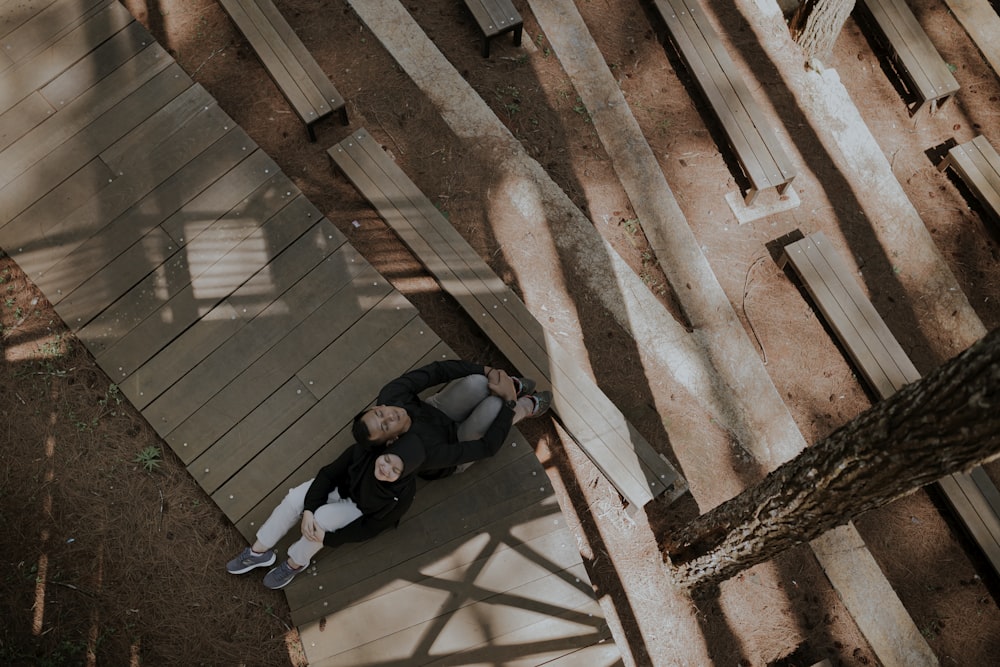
[[334, 515]]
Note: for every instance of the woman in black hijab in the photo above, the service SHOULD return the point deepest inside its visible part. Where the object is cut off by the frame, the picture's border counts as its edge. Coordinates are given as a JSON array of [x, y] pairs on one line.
[[363, 492]]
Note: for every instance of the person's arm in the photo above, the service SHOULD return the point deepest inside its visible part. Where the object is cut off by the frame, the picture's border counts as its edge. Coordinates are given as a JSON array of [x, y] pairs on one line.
[[366, 527], [407, 386], [327, 479]]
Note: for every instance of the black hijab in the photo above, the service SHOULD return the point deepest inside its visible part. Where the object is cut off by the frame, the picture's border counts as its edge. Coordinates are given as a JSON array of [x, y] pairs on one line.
[[377, 498]]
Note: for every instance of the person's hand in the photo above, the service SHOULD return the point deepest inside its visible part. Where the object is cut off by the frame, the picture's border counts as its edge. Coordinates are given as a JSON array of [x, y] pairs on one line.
[[500, 384], [310, 528]]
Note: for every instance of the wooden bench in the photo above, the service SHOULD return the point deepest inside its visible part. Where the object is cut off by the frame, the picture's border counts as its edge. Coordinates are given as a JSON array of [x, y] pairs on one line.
[[621, 453], [877, 354], [920, 66], [750, 136], [495, 17], [296, 73], [976, 162]]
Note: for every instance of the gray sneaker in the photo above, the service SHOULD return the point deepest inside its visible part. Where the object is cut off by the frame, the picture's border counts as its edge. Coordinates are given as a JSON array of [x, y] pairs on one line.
[[281, 576], [525, 386], [248, 560], [543, 401]]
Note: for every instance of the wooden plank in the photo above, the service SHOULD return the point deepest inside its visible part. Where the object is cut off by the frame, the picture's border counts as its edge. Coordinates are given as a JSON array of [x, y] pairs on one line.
[[30, 185], [900, 37], [982, 23], [174, 273], [101, 61], [254, 432], [77, 219], [989, 164], [218, 262], [36, 70], [374, 164], [914, 47], [15, 14], [976, 501], [285, 58], [980, 164], [499, 633], [170, 122], [223, 194], [854, 305], [740, 124], [572, 637], [976, 165], [285, 454], [20, 238], [105, 266], [22, 117], [189, 415], [828, 292], [279, 60], [352, 332], [493, 17], [525, 594], [132, 212], [920, 61], [604, 653], [263, 289], [85, 109], [316, 85], [50, 23]]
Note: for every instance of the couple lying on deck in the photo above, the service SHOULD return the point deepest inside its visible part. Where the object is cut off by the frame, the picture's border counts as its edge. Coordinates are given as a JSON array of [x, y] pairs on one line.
[[370, 486]]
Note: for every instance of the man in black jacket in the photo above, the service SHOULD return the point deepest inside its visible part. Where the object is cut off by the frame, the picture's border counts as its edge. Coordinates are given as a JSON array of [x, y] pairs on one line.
[[466, 421]]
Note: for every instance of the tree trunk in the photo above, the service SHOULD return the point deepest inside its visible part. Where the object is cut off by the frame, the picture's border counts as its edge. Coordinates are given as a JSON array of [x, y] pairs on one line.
[[816, 24], [947, 422]]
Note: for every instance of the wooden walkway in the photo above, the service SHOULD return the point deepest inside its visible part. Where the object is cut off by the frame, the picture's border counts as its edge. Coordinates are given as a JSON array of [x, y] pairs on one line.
[[247, 331]]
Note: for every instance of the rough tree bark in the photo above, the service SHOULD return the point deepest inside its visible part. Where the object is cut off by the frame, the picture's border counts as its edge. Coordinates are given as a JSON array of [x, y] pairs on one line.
[[946, 422], [815, 25]]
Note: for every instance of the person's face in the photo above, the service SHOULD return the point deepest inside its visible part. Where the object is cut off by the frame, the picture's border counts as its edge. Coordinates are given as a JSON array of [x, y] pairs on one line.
[[386, 423], [388, 468]]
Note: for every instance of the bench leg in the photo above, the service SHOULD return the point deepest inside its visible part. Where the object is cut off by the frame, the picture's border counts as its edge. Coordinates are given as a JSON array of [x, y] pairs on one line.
[[342, 112], [751, 196], [486, 47], [311, 131], [517, 34]]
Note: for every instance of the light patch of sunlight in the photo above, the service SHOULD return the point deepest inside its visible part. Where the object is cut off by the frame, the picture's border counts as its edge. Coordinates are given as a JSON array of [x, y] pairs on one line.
[[135, 653], [513, 201], [293, 644], [40, 582], [95, 622], [764, 611], [217, 269], [41, 576]]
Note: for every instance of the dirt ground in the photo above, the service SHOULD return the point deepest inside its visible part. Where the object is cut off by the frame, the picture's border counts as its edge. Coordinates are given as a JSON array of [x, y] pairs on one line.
[[132, 551]]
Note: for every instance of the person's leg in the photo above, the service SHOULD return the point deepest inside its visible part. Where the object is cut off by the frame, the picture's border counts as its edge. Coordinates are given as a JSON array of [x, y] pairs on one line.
[[337, 513], [478, 421], [284, 516], [460, 397], [287, 514]]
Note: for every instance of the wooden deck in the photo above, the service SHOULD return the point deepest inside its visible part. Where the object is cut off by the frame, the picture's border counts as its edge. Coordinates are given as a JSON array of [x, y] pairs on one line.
[[247, 331]]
